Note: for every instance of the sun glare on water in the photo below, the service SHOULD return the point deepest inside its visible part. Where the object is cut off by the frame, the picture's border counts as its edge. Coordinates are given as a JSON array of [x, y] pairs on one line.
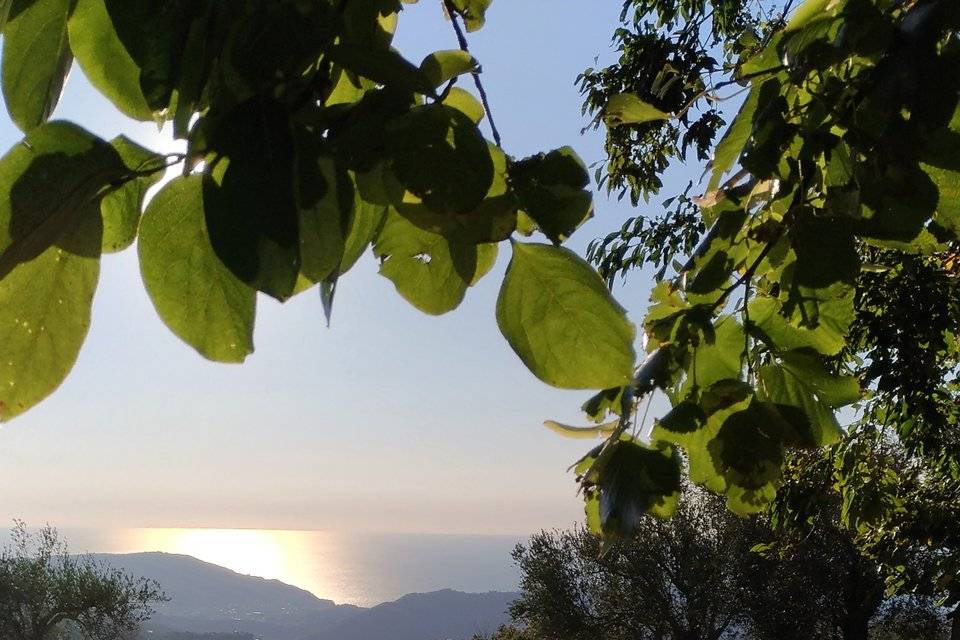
[[268, 554]]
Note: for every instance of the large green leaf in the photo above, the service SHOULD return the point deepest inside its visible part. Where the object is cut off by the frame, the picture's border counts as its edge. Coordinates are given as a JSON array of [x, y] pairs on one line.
[[493, 220], [36, 59], [552, 190], [794, 397], [121, 207], [737, 449], [558, 316], [251, 208], [194, 293], [430, 271], [439, 156], [55, 176], [102, 47], [827, 337], [45, 307], [718, 356]]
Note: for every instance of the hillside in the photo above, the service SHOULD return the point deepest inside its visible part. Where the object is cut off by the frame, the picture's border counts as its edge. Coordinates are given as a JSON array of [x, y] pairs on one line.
[[208, 599]]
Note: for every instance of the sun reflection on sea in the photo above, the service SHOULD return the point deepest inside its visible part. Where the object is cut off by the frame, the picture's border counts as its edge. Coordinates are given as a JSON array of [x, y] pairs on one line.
[[270, 554]]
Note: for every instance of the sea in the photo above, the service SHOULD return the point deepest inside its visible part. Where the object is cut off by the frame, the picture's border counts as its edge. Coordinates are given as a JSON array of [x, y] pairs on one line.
[[364, 569]]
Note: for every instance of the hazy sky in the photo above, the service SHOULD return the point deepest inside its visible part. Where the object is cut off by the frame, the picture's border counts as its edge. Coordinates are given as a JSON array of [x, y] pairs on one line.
[[390, 420]]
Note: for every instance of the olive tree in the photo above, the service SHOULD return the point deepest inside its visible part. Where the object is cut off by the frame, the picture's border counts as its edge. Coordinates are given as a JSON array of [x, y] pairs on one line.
[[48, 594]]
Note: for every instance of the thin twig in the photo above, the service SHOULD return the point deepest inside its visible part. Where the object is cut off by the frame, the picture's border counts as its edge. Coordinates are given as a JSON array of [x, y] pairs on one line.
[[462, 41]]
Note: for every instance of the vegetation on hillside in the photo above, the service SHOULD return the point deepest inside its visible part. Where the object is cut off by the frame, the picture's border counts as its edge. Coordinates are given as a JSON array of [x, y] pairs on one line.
[[48, 594]]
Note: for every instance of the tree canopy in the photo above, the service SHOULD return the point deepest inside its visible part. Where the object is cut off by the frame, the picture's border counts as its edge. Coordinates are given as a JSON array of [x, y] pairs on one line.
[[48, 594], [310, 138]]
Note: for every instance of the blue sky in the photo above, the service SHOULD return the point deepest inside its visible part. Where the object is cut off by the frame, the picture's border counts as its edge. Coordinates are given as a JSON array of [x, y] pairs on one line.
[[388, 421]]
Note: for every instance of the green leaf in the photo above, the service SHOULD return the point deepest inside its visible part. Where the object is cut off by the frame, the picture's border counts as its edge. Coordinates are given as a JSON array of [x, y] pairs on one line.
[[384, 66], [4, 13], [439, 156], [464, 101], [812, 423], [737, 451], [105, 58], [551, 190], [36, 59], [628, 108], [827, 337], [735, 139], [326, 205], [195, 294], [251, 209], [493, 220], [365, 224], [45, 307], [719, 356], [431, 272], [474, 12], [441, 66], [630, 481], [558, 316], [121, 208], [833, 390], [57, 174]]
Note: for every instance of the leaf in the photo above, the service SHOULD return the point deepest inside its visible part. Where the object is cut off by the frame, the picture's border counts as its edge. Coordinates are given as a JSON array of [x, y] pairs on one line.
[[551, 190], [4, 13], [833, 390], [383, 66], [735, 139], [251, 209], [582, 433], [365, 224], [465, 102], [121, 208], [737, 451], [194, 293], [718, 356], [558, 316], [326, 201], [441, 66], [631, 481], [431, 272], [828, 337], [794, 398], [53, 177], [105, 57], [36, 59], [493, 220], [628, 108], [45, 305], [474, 12], [439, 156]]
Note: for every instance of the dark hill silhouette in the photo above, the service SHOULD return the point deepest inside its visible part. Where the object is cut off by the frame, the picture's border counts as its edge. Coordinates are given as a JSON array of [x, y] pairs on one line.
[[209, 599]]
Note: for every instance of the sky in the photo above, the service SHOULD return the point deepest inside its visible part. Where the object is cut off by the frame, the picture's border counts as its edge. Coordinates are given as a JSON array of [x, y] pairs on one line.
[[389, 421]]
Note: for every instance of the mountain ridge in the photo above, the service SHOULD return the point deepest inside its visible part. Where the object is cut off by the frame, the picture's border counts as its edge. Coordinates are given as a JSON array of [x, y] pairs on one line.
[[210, 599]]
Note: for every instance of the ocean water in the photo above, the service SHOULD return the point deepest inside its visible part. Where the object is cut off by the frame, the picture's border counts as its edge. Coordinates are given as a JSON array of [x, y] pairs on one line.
[[355, 568]]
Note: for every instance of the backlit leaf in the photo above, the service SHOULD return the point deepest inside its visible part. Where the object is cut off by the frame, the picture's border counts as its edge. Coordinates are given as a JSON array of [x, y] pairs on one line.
[[45, 307], [558, 316], [36, 59], [628, 108], [194, 293]]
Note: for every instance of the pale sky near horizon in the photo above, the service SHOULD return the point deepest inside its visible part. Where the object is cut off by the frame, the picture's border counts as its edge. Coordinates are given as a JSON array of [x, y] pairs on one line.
[[388, 421]]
